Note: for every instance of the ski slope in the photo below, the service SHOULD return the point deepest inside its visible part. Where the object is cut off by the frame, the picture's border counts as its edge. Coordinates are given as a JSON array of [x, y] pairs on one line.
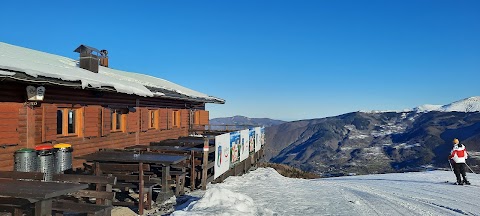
[[265, 192]]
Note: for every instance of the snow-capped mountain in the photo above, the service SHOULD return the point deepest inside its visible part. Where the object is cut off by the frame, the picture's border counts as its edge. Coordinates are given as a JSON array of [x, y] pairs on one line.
[[471, 104], [377, 142], [242, 121]]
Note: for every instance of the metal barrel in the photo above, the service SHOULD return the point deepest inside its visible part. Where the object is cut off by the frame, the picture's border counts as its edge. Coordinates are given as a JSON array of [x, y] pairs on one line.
[[63, 157], [45, 161], [25, 160]]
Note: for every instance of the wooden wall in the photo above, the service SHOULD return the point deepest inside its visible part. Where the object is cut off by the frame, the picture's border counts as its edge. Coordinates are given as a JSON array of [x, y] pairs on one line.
[[29, 126], [40, 128]]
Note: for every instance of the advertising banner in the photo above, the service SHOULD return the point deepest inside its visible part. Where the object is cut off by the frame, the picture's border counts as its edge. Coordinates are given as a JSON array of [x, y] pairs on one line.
[[222, 154], [258, 145], [262, 136], [234, 148], [251, 140], [245, 145]]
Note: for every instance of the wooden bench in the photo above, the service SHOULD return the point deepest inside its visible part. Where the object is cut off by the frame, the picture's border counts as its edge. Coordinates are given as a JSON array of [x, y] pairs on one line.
[[17, 206], [35, 176], [177, 177], [128, 178], [100, 190]]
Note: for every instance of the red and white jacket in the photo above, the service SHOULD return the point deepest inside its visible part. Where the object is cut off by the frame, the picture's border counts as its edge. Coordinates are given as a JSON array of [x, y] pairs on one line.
[[458, 154]]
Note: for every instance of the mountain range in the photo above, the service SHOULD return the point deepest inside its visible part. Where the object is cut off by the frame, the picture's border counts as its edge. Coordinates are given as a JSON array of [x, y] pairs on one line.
[[367, 142], [240, 122]]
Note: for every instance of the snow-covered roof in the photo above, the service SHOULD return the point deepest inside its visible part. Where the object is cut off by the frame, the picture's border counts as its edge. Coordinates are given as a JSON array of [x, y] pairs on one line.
[[35, 64]]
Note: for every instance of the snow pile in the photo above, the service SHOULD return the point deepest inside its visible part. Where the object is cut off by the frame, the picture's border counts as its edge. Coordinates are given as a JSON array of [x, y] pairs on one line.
[[265, 192], [35, 63], [220, 201]]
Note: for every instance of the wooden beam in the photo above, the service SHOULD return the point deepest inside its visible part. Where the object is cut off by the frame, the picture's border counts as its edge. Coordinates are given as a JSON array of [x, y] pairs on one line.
[[205, 163]]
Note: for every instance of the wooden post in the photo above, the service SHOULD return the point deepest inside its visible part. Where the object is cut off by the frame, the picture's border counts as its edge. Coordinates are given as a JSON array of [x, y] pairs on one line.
[[141, 184], [43, 207], [205, 163], [192, 171], [139, 122]]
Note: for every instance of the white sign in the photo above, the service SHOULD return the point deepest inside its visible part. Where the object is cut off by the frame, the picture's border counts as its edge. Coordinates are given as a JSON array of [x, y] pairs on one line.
[[235, 146], [262, 136], [222, 154], [258, 145], [31, 93], [245, 145], [40, 93], [35, 94]]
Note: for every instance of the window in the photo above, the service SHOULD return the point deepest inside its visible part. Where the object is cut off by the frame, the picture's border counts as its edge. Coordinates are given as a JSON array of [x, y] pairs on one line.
[[153, 119], [118, 121], [68, 121], [176, 118]]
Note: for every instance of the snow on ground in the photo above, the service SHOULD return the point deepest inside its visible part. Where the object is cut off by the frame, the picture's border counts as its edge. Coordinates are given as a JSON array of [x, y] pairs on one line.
[[265, 192]]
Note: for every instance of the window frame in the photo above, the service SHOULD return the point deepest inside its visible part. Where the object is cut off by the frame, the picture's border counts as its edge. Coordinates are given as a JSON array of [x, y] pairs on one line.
[[153, 119], [114, 120], [176, 119], [78, 122]]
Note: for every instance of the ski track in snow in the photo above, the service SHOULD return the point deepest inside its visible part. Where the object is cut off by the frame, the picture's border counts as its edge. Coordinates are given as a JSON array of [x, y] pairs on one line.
[[421, 193]]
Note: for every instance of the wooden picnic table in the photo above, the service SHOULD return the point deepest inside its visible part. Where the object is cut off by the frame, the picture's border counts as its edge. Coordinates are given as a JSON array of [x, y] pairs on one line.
[[40, 193], [184, 141], [166, 148], [139, 158]]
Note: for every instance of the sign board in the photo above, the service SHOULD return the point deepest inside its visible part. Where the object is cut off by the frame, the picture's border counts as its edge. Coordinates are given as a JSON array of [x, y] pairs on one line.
[[245, 145], [222, 154], [251, 140], [258, 145], [234, 148], [35, 94]]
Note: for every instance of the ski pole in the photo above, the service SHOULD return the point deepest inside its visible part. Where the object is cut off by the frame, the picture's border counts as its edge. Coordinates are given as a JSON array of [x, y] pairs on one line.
[[451, 168], [470, 168]]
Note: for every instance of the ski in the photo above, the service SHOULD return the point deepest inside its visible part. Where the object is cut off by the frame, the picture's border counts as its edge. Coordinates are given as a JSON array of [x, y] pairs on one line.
[[455, 183]]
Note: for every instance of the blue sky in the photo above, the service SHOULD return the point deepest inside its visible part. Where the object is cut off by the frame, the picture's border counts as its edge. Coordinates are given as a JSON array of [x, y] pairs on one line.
[[280, 59]]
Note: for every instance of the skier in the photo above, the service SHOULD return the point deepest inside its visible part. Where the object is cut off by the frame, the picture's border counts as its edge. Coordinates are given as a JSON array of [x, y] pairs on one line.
[[459, 155]]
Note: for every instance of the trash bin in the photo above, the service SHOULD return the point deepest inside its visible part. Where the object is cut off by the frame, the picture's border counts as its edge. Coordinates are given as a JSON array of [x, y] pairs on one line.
[[45, 161], [63, 157], [25, 160]]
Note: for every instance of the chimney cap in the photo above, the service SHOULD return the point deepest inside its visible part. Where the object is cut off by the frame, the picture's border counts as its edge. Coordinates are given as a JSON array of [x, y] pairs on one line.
[[85, 48]]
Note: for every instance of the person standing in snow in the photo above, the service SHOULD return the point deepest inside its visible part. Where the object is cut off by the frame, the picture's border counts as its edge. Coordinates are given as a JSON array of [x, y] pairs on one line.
[[459, 155]]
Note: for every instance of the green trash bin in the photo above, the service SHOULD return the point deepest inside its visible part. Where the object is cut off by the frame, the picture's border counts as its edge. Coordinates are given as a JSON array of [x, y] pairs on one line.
[[25, 160]]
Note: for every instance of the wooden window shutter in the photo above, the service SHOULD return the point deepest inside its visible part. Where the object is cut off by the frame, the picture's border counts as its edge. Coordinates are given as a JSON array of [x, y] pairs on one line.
[[162, 119], [132, 121], [184, 118], [9, 121], [196, 117], [144, 119], [92, 126], [49, 122], [106, 121], [170, 114], [204, 117]]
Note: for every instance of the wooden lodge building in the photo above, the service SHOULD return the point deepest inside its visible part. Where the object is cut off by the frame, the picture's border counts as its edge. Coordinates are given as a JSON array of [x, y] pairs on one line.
[[49, 99]]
